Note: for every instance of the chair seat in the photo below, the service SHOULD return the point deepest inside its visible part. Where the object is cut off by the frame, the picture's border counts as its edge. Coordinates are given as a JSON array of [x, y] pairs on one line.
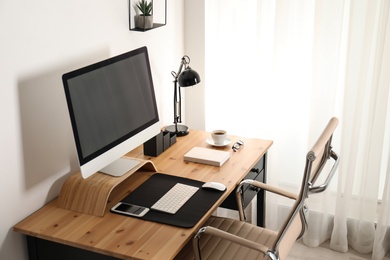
[[229, 250]]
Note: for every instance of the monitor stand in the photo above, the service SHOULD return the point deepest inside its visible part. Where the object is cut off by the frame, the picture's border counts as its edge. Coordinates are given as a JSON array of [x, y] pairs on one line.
[[92, 195], [119, 167]]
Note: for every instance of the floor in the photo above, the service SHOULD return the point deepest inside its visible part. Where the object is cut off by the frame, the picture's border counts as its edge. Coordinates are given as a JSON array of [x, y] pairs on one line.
[[302, 252]]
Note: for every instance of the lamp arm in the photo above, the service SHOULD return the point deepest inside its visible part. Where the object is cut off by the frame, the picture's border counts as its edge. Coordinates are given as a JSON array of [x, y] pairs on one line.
[[176, 103], [179, 105], [177, 93], [184, 61]]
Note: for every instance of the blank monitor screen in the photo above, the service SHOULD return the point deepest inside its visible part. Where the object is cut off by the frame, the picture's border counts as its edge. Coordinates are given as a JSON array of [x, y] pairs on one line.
[[110, 102]]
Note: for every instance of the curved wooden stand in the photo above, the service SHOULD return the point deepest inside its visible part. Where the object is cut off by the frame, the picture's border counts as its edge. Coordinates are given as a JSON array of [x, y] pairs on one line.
[[91, 195]]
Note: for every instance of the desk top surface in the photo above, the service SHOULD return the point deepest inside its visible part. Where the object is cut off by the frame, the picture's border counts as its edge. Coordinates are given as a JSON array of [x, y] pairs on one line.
[[132, 238]]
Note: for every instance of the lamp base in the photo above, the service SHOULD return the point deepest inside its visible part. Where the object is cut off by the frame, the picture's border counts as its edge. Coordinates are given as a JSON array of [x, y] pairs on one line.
[[181, 129]]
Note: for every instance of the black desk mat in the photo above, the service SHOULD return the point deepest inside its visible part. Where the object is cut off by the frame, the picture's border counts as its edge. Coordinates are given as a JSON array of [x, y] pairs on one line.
[[188, 215]]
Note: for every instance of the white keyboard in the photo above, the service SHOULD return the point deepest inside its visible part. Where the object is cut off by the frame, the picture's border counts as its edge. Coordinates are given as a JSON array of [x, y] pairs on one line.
[[175, 198]]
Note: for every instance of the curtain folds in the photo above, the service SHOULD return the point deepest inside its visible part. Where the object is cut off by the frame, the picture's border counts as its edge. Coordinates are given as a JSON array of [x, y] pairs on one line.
[[366, 114], [280, 70]]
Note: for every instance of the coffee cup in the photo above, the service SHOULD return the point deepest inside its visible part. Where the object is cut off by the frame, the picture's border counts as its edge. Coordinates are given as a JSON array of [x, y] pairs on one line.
[[218, 136]]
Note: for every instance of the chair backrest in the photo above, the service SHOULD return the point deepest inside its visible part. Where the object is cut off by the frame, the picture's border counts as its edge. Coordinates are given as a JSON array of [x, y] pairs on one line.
[[316, 159]]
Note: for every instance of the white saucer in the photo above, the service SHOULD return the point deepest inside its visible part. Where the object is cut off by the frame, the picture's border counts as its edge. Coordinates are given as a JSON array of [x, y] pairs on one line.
[[226, 142]]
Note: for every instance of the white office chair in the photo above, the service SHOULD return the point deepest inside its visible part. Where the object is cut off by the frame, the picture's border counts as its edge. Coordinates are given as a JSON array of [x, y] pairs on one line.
[[225, 238]]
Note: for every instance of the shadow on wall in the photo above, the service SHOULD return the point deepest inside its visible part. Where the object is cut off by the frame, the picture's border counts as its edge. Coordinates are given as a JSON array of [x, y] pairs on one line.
[[47, 139]]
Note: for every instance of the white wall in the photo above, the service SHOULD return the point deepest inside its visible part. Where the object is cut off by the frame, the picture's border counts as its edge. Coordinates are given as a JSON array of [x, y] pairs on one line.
[[39, 41], [195, 48]]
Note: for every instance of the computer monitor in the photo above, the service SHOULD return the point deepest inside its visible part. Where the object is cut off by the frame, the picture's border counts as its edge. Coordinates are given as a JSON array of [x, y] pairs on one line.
[[112, 108]]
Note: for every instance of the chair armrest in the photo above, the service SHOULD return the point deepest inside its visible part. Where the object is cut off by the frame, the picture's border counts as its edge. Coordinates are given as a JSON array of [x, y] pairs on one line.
[[270, 188], [324, 186], [263, 186], [227, 236]]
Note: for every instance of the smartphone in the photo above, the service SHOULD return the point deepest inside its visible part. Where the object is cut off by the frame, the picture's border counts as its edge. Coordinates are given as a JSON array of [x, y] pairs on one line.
[[129, 209]]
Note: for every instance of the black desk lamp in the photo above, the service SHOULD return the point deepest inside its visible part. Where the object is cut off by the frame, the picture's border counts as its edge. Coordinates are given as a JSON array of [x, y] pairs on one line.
[[187, 78]]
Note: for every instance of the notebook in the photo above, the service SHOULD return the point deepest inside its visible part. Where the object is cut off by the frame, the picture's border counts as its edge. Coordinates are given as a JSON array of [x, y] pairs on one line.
[[207, 156]]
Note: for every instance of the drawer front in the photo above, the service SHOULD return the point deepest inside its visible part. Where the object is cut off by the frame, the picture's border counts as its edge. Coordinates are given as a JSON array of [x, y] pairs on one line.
[[250, 192], [256, 173]]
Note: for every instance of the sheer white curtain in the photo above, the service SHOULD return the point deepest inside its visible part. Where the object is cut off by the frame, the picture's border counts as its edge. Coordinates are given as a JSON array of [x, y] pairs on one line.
[[279, 69], [365, 146]]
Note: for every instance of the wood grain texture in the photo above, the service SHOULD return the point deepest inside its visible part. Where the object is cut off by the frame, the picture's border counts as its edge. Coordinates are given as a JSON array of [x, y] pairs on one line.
[[91, 195], [131, 238]]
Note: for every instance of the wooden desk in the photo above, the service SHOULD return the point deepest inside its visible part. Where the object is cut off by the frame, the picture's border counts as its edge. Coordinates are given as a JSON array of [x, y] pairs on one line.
[[57, 233]]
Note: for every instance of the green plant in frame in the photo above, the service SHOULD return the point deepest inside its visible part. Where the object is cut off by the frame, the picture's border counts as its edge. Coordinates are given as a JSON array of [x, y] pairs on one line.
[[145, 7]]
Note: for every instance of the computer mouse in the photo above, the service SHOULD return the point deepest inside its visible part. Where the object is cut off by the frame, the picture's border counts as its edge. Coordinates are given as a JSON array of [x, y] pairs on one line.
[[214, 186]]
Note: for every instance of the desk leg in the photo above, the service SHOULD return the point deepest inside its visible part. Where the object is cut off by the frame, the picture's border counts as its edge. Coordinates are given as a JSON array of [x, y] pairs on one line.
[[261, 203], [32, 248]]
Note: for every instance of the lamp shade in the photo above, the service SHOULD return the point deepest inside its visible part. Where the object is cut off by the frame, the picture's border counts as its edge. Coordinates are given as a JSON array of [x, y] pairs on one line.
[[188, 77]]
